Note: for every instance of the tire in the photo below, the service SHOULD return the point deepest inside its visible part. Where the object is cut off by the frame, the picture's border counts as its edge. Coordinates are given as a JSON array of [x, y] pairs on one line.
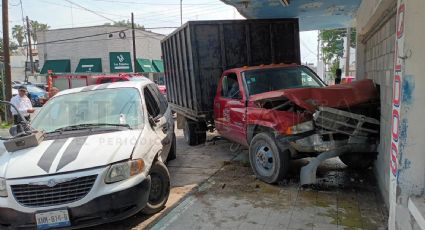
[[269, 163], [357, 160], [159, 190], [193, 135], [173, 150]]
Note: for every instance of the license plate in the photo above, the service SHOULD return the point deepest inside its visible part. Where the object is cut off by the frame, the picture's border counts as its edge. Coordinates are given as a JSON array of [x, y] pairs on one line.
[[52, 219]]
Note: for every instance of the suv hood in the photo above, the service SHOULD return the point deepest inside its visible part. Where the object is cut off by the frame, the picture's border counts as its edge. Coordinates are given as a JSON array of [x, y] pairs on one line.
[[336, 96], [68, 154]]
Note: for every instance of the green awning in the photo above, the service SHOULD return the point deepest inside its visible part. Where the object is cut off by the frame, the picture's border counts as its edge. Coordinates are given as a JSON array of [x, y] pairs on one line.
[[89, 65], [144, 66], [158, 65], [57, 66]]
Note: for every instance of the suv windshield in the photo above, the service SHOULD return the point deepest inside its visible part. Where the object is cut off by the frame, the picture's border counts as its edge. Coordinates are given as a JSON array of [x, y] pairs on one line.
[[266, 80], [119, 107]]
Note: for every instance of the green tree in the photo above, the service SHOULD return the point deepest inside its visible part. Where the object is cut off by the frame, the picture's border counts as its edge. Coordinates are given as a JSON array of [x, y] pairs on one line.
[[12, 47], [333, 45], [125, 23], [37, 27], [18, 33]]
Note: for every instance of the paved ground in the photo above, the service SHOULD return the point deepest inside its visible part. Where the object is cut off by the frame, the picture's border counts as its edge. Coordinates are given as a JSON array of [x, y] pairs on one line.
[[234, 199], [193, 166]]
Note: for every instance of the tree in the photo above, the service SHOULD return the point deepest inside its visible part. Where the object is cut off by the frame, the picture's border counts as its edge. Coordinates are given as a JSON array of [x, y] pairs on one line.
[[125, 23], [12, 47], [333, 45], [37, 27], [18, 33]]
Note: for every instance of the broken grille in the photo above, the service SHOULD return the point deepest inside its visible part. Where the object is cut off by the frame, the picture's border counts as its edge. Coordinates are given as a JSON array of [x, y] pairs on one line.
[[345, 122], [63, 193]]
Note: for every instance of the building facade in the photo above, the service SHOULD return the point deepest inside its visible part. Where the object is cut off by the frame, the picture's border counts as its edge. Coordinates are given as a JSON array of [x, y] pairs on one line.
[[83, 49]]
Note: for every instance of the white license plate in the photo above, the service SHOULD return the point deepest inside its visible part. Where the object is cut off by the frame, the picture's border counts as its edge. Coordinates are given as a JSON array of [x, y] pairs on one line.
[[52, 219]]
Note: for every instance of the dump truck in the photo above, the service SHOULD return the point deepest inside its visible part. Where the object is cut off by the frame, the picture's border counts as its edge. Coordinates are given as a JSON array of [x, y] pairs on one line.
[[244, 79]]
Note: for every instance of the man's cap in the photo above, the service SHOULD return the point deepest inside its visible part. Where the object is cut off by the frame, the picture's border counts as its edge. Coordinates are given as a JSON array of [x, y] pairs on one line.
[[22, 88]]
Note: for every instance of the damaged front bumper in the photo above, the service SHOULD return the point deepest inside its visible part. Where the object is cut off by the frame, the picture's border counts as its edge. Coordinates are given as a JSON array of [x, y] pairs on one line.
[[332, 129]]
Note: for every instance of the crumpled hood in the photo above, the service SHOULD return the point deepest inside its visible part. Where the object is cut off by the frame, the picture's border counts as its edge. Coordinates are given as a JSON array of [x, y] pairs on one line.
[[68, 154], [336, 96]]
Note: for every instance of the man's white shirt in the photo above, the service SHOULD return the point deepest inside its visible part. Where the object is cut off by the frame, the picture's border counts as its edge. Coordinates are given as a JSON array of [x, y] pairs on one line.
[[22, 104]]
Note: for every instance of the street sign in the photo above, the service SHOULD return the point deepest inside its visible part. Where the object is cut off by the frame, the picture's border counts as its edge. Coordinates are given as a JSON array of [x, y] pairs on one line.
[[120, 62]]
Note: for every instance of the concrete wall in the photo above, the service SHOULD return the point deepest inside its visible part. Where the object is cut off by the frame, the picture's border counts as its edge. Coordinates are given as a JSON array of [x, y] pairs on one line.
[[385, 38], [375, 60], [147, 44]]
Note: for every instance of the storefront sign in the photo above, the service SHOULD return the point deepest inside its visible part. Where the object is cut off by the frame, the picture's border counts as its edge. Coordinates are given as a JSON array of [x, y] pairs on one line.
[[120, 62]]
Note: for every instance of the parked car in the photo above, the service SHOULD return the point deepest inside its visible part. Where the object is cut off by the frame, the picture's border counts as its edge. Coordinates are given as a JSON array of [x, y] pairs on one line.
[[35, 94], [102, 159]]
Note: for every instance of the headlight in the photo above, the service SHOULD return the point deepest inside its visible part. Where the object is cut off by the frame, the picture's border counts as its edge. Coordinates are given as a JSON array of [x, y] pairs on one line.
[[300, 128], [124, 170], [3, 188]]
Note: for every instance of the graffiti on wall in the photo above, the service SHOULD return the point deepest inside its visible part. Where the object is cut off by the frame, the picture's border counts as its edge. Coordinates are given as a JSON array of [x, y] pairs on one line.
[[396, 105]]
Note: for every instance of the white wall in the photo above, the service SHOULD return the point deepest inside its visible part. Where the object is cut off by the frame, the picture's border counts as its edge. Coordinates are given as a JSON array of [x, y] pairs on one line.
[[375, 60], [147, 44]]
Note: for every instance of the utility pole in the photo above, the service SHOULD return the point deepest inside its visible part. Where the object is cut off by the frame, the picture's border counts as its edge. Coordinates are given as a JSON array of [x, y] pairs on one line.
[[30, 48], [347, 52], [8, 75], [181, 12], [134, 42]]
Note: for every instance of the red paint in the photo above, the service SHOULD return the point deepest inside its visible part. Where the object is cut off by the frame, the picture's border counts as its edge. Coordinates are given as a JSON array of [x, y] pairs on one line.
[[234, 116], [400, 21], [394, 155]]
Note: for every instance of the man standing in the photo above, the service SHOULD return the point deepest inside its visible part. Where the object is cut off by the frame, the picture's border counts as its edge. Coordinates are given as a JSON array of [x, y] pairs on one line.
[[23, 104]]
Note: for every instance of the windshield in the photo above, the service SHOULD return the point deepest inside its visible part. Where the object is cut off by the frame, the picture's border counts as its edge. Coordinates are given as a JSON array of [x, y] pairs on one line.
[[119, 106], [266, 80]]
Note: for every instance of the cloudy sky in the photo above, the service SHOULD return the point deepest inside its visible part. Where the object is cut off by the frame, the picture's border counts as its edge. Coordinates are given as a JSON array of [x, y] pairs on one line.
[[150, 13]]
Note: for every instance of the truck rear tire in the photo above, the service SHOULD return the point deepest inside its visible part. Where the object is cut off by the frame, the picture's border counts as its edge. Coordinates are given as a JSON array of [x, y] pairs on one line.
[[193, 133], [269, 163], [357, 160]]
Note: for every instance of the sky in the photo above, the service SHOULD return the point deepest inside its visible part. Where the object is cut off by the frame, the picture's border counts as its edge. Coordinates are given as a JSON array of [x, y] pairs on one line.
[[152, 14]]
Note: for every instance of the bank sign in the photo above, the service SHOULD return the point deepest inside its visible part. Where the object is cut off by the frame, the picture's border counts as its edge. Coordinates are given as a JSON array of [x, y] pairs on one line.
[[120, 62]]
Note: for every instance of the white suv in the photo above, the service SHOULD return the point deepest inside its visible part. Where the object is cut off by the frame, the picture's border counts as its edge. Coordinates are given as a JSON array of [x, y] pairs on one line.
[[102, 159]]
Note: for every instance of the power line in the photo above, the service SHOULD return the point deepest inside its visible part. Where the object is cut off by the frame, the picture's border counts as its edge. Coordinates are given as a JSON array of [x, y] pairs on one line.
[[91, 11], [81, 37], [153, 4]]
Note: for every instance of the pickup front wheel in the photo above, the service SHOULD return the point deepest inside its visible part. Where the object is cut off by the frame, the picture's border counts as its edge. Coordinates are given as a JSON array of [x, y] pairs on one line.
[[268, 162]]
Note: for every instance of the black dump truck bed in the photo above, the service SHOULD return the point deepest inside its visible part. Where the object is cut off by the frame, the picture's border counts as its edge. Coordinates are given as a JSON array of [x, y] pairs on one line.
[[196, 54]]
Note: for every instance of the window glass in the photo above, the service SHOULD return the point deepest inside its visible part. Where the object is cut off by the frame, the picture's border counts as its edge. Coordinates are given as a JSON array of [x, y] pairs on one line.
[[266, 80], [151, 103], [230, 87], [91, 107], [163, 104]]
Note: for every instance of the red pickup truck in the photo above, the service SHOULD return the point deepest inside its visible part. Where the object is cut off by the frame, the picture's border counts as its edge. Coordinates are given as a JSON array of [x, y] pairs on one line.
[[278, 111]]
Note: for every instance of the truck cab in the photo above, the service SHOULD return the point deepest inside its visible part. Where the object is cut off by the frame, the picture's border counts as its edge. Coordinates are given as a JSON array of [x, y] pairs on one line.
[[235, 107]]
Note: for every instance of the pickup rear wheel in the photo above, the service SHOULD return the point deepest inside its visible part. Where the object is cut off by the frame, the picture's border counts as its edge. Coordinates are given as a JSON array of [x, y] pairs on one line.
[[160, 188], [268, 162]]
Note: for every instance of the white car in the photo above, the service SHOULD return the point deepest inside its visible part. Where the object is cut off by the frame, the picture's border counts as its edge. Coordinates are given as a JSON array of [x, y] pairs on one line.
[[102, 159]]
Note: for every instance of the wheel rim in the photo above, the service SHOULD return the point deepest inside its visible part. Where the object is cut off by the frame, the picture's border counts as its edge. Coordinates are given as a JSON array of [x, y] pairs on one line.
[[157, 189], [264, 161]]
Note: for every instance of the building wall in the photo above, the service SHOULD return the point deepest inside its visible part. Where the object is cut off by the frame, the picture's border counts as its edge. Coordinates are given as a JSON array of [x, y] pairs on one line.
[[375, 60], [147, 44], [389, 40]]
